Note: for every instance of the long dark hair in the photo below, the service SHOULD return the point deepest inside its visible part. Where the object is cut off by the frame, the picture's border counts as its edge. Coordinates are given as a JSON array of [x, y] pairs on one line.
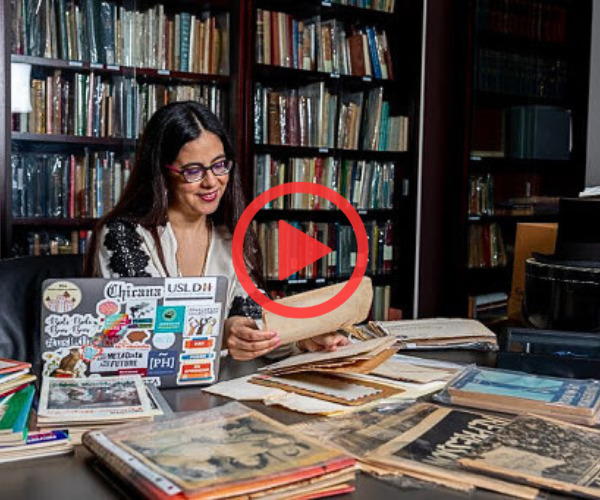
[[143, 200]]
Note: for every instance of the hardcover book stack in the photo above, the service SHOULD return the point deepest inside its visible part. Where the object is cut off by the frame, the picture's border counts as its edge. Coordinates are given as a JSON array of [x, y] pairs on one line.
[[16, 398], [570, 400]]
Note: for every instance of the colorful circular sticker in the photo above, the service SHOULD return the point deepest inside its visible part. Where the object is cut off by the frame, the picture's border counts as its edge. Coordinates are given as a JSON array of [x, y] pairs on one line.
[[61, 296]]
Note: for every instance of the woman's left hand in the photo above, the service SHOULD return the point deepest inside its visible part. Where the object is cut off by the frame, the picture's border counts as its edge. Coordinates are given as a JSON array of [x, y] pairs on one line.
[[326, 342]]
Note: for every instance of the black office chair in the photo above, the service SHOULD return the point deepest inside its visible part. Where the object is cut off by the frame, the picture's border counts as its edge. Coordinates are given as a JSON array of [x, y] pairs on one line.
[[20, 291]]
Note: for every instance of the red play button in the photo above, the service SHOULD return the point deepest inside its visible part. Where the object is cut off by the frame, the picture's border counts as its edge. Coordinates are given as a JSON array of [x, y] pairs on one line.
[[300, 249]]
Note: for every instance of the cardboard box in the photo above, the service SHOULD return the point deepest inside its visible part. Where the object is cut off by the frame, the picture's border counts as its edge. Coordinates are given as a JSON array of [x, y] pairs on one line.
[[531, 237]]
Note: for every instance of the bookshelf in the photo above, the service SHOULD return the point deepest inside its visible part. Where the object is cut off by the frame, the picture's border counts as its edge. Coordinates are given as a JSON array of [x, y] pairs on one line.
[[527, 78], [94, 86], [314, 69]]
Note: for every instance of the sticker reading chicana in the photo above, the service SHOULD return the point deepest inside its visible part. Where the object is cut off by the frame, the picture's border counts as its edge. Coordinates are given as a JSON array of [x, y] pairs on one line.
[[61, 296], [123, 292]]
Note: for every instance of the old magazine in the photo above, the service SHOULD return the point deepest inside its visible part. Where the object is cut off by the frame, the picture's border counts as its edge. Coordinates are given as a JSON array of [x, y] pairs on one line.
[[226, 451], [543, 452], [423, 441]]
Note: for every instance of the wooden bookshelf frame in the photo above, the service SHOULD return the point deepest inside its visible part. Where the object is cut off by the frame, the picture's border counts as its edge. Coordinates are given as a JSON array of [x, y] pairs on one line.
[[406, 89]]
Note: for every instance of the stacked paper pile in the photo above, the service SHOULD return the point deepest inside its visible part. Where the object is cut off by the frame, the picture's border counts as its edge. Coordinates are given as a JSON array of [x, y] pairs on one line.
[[437, 333], [81, 404]]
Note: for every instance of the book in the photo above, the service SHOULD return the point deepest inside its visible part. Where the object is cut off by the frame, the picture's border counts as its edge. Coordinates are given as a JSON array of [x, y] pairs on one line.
[[438, 333], [542, 452], [15, 413], [37, 445], [225, 451], [515, 392], [11, 366]]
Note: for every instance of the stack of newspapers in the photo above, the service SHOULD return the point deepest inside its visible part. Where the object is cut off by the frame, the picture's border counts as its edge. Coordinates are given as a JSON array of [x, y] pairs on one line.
[[81, 404]]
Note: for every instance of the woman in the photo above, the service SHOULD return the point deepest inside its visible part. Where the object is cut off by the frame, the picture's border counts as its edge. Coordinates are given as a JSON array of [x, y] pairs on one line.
[[177, 215]]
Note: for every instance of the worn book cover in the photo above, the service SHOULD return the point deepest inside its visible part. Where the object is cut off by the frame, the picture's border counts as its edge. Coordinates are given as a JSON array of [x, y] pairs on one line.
[[226, 451], [543, 452], [520, 392]]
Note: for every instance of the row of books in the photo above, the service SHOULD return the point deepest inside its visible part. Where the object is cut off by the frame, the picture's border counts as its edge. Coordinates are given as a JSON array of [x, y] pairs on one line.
[[524, 75], [486, 246], [55, 242], [481, 194], [103, 32], [67, 186], [340, 238], [488, 307], [533, 19], [322, 45], [381, 303], [93, 105], [384, 5], [367, 185], [316, 116]]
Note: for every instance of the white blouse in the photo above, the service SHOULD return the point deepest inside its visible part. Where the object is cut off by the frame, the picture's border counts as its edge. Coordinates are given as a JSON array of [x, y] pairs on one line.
[[218, 260]]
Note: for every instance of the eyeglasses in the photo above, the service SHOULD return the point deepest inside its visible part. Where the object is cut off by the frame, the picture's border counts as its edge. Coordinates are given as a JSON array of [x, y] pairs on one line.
[[195, 172]]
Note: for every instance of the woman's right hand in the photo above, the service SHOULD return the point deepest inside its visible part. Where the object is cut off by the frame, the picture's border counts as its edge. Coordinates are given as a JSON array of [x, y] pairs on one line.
[[245, 341]]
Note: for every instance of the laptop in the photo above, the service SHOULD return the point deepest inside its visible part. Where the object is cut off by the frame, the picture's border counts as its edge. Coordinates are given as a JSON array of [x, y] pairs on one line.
[[168, 330]]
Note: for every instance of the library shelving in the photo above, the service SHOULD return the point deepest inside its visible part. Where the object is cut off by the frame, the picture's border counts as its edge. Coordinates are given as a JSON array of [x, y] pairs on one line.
[[314, 69], [98, 71], [526, 101]]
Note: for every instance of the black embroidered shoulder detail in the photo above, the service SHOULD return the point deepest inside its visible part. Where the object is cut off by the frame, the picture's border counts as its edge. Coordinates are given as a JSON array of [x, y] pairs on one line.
[[245, 306], [128, 259]]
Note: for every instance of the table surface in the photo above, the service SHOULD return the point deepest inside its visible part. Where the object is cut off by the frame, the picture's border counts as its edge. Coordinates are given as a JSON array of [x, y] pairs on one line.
[[79, 476]]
